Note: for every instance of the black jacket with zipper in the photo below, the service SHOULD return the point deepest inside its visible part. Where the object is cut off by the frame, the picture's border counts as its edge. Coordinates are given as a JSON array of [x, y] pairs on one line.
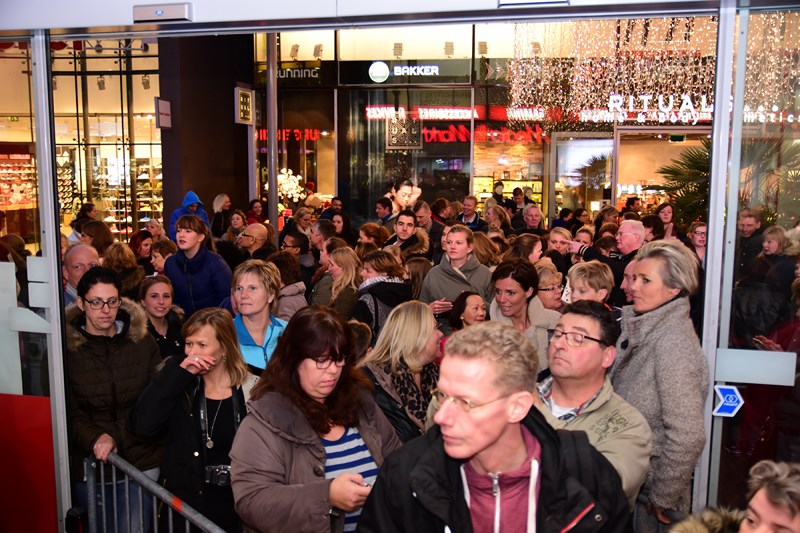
[[419, 490]]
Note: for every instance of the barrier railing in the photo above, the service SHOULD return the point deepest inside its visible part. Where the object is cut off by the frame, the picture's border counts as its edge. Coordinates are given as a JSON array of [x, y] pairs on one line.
[[129, 515]]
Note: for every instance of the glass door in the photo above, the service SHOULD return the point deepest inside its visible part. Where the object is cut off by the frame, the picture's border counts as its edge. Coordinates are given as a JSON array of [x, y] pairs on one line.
[[759, 326]]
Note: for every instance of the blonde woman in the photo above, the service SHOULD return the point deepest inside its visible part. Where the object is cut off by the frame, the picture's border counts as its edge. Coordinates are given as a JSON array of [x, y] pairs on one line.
[[197, 403], [551, 285], [402, 367], [255, 289], [497, 216], [345, 268]]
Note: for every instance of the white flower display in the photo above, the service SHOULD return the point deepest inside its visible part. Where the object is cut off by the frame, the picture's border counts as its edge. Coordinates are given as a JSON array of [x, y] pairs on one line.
[[290, 186]]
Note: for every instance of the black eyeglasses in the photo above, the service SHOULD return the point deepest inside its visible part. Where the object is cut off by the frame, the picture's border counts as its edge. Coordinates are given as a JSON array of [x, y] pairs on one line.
[[323, 363], [284, 245], [558, 288], [244, 235], [574, 339], [98, 304]]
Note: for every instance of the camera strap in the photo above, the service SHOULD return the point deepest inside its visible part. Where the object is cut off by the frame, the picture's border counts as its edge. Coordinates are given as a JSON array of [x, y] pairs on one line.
[[206, 439]]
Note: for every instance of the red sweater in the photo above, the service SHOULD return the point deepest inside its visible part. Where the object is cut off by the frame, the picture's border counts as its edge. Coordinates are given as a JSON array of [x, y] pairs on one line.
[[510, 491]]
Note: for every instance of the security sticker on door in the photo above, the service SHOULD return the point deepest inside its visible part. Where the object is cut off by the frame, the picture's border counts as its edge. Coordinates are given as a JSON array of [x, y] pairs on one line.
[[730, 400]]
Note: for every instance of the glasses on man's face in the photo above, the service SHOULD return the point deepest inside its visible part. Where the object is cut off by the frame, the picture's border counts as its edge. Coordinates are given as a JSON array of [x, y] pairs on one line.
[[574, 339], [245, 236], [324, 363], [284, 245], [558, 288], [465, 404], [98, 304]]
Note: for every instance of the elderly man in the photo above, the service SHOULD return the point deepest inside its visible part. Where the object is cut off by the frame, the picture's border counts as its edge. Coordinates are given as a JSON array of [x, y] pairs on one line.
[[629, 237], [532, 216], [492, 463], [77, 260], [578, 394], [254, 242]]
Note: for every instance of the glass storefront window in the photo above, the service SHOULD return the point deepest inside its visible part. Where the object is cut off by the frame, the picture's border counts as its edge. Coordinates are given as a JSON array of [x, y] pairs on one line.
[[450, 41], [108, 148], [384, 141], [764, 325]]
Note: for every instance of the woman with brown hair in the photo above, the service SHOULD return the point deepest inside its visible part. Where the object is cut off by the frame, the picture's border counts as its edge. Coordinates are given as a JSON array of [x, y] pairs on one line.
[[238, 222], [198, 403], [97, 234], [164, 320], [381, 290], [371, 232], [119, 258], [307, 454]]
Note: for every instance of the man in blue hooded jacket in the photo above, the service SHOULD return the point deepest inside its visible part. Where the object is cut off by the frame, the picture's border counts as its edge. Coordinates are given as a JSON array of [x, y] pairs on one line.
[[192, 205]]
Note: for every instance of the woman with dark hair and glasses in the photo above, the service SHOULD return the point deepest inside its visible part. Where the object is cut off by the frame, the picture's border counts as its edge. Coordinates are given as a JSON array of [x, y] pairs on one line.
[[306, 456], [516, 285], [197, 403], [110, 360]]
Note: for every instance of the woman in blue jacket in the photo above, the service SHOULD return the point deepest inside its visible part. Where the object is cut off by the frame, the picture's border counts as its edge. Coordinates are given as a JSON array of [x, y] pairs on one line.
[[254, 294], [200, 277]]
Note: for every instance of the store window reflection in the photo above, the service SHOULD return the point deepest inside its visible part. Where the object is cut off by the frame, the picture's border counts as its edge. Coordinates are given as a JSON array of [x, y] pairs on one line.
[[23, 364], [766, 293]]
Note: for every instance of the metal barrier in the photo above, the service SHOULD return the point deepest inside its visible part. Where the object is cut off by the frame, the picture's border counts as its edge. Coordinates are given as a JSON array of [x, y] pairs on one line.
[[132, 478]]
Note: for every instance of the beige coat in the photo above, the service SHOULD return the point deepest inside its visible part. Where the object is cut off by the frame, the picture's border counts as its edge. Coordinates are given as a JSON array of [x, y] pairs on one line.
[[278, 466]]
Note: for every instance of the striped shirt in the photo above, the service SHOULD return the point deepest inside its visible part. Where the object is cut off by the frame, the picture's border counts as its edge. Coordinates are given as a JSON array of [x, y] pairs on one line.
[[349, 454]]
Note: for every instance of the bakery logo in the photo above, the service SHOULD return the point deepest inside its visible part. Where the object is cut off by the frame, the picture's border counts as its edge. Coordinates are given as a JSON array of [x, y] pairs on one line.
[[379, 72]]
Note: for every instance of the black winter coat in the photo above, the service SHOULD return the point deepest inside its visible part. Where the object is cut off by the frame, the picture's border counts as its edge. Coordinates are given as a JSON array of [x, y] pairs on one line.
[[376, 301], [105, 376], [171, 344], [420, 489], [169, 407]]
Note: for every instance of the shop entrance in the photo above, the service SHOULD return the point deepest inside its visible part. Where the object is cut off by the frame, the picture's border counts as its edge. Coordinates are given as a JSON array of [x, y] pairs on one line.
[[655, 164]]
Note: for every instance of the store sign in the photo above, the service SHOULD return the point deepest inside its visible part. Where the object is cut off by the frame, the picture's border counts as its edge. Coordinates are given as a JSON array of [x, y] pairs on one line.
[[416, 70], [494, 112], [651, 108], [298, 73], [772, 116], [288, 134], [461, 133], [244, 105], [379, 72]]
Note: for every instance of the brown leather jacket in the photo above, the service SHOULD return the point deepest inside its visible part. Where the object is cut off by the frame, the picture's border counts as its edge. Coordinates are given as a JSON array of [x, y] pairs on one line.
[[278, 466]]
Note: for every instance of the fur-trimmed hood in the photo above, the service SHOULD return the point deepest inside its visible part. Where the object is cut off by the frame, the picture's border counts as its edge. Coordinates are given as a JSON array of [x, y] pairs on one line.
[[131, 315], [711, 520], [416, 246]]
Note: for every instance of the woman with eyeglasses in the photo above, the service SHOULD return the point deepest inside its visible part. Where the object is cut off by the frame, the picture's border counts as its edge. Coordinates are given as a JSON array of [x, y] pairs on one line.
[[255, 290], [307, 454], [551, 285], [402, 367], [516, 302], [196, 403], [696, 240], [661, 370], [110, 360]]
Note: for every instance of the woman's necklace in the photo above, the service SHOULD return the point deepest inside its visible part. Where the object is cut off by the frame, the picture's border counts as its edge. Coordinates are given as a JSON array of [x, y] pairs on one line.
[[210, 442]]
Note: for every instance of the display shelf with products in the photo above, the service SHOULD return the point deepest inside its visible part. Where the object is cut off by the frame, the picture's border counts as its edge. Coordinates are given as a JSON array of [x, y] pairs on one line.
[[18, 185], [483, 187], [128, 204]]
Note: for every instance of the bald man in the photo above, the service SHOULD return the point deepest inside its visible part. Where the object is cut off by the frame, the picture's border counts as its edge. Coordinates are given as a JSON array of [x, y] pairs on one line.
[[77, 260], [253, 240]]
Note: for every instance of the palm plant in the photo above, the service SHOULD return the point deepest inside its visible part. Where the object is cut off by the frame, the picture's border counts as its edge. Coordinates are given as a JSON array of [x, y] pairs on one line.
[[686, 182]]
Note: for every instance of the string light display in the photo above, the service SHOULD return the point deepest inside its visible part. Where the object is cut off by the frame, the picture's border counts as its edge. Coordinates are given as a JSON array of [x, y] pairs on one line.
[[576, 66], [773, 63]]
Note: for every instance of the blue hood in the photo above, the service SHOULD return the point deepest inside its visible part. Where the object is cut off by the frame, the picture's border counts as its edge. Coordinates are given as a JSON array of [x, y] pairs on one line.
[[191, 198]]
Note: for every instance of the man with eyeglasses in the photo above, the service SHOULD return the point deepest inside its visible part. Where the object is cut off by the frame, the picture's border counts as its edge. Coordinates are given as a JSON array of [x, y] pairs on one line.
[[630, 238], [578, 394], [253, 240], [77, 260], [492, 463]]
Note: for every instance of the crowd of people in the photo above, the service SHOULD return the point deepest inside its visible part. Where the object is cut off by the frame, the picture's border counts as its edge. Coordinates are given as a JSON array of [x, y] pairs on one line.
[[416, 373]]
